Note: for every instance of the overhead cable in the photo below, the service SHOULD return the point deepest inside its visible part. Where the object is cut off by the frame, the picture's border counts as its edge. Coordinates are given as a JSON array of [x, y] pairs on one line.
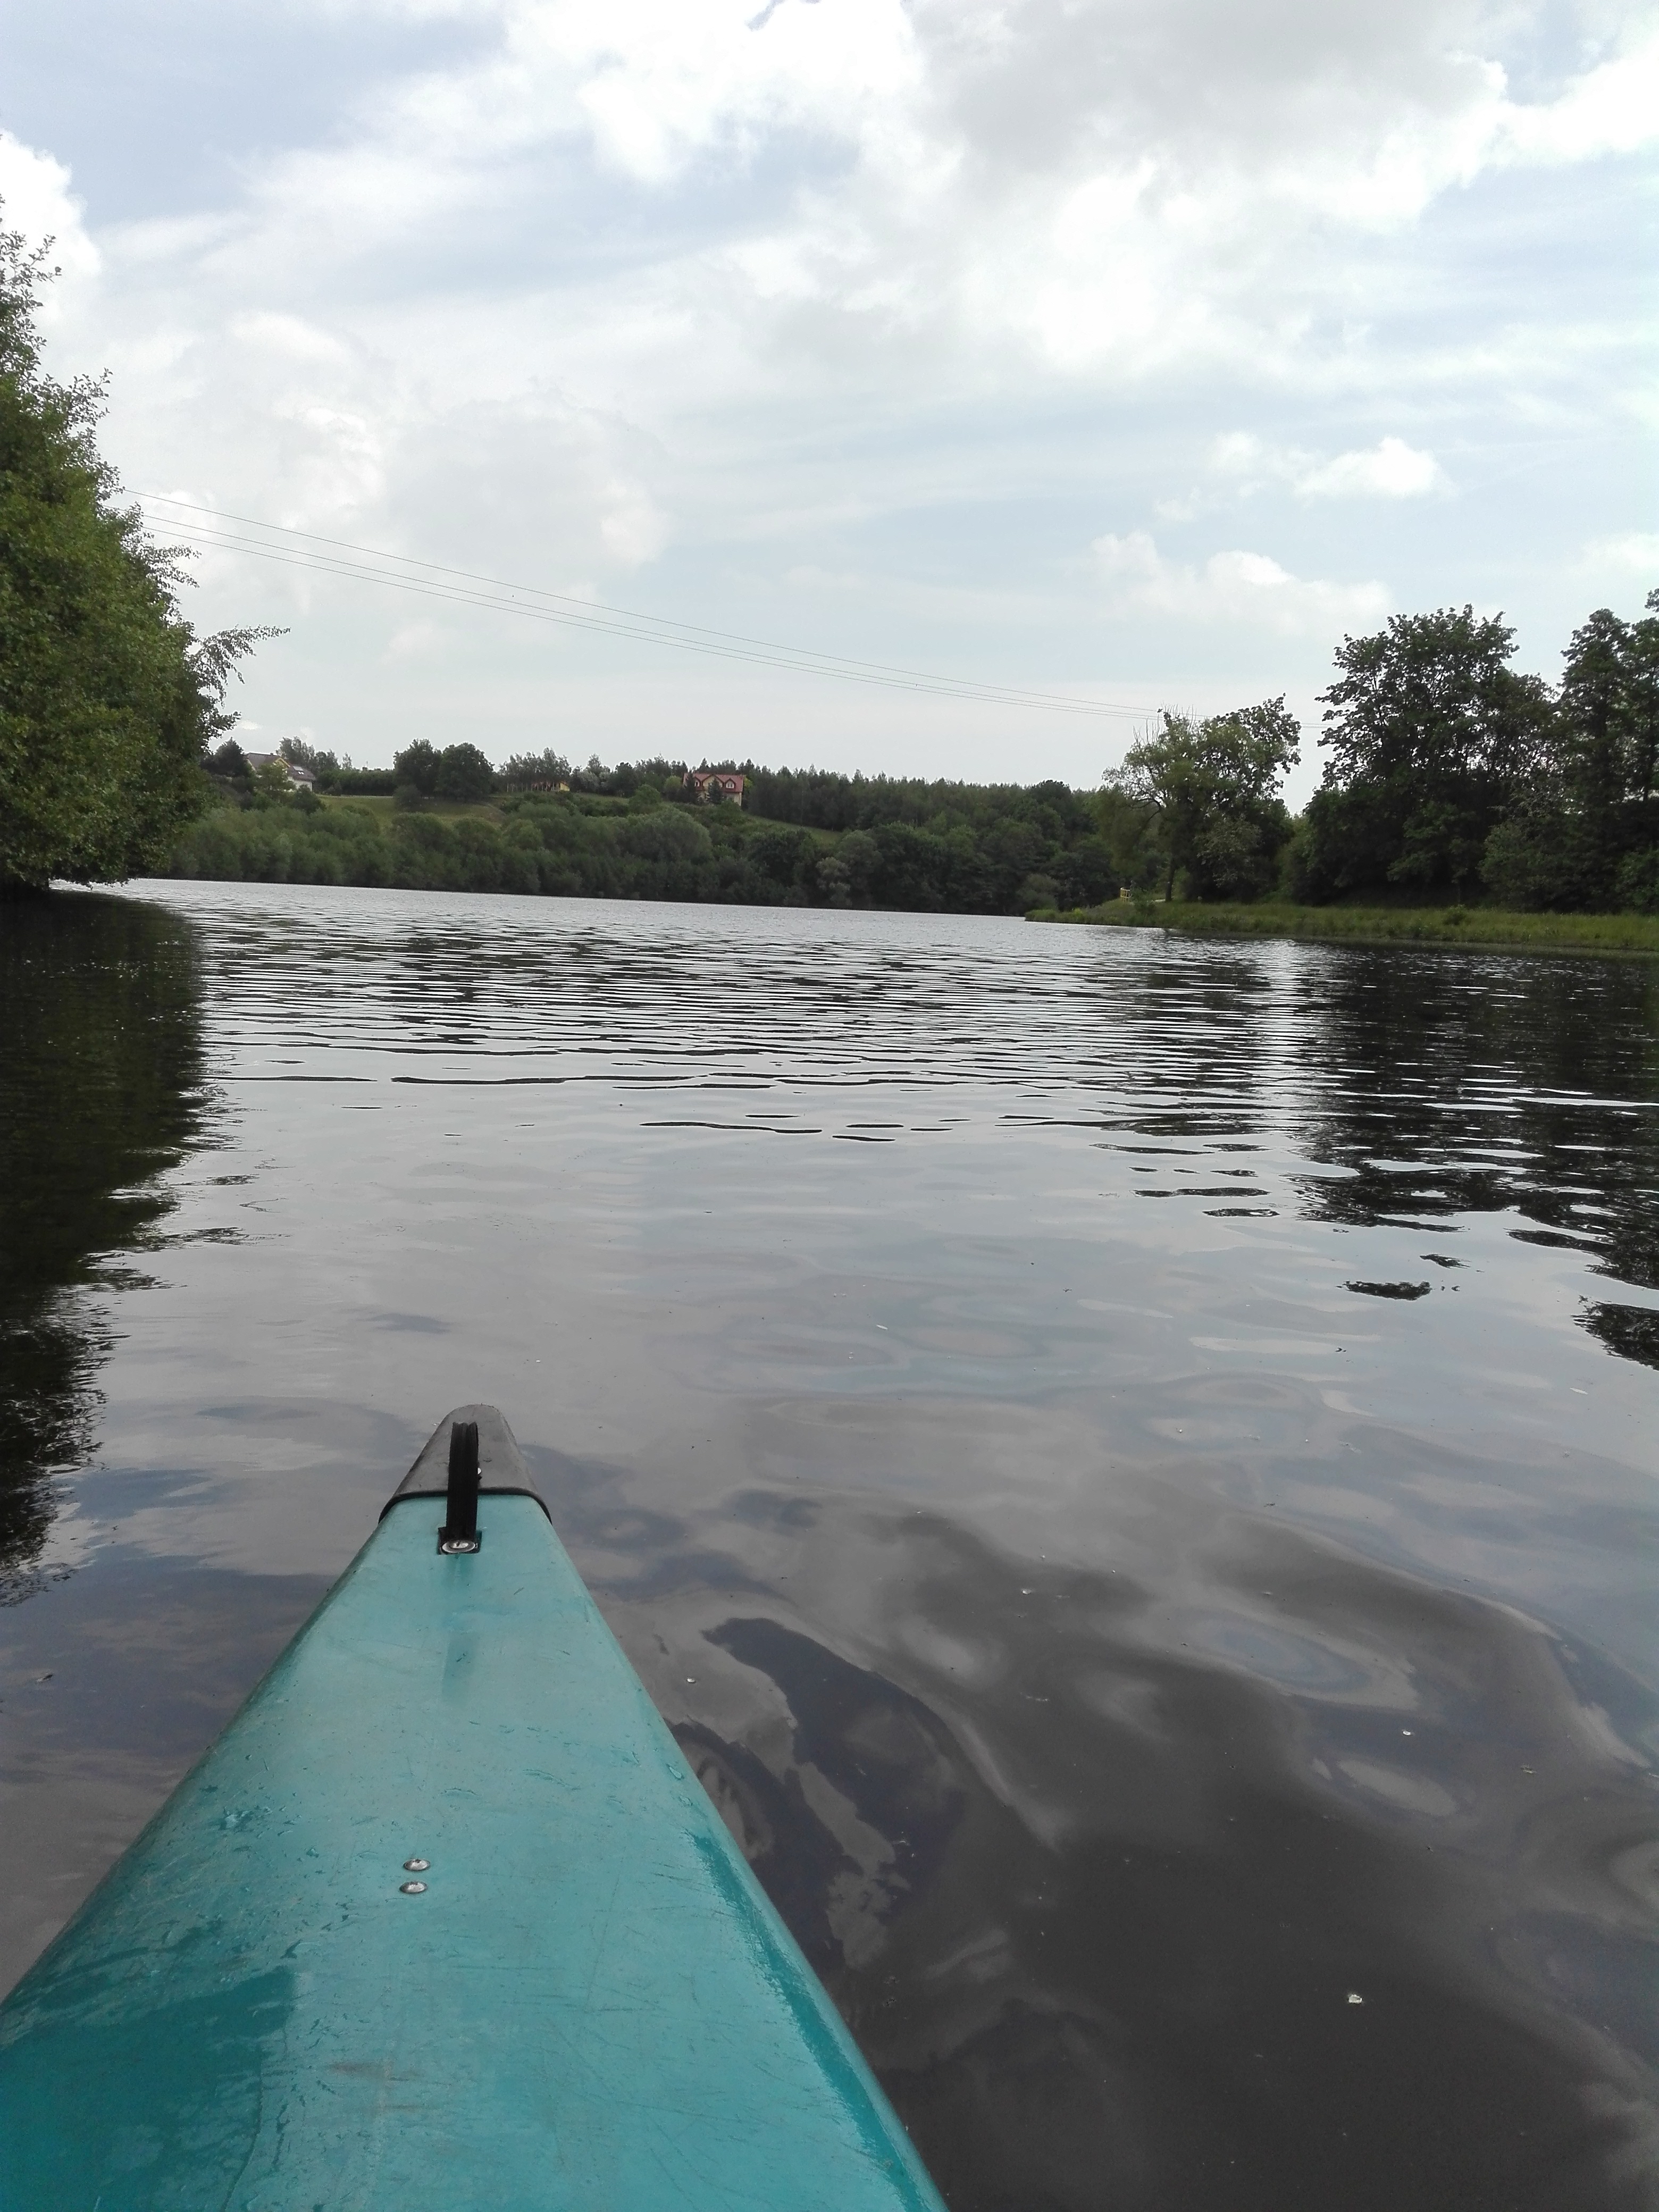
[[460, 587]]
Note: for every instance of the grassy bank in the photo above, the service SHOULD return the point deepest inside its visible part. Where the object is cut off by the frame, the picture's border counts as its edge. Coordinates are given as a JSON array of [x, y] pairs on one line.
[[1488, 927]]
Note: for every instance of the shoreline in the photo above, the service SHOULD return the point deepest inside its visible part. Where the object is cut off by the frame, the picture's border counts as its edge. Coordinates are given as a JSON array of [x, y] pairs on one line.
[[1485, 929]]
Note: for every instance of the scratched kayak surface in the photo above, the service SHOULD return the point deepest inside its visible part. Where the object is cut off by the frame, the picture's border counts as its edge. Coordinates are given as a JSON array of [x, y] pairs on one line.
[[582, 1999]]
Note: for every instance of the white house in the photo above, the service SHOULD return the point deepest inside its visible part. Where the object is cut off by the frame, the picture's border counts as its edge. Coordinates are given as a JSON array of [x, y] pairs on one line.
[[302, 778]]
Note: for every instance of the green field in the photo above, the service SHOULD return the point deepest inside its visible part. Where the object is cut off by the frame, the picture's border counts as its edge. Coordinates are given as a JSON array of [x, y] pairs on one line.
[[1487, 928]]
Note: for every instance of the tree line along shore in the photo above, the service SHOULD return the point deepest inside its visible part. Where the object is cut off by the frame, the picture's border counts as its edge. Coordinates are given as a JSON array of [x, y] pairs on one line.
[[1462, 803], [1453, 784]]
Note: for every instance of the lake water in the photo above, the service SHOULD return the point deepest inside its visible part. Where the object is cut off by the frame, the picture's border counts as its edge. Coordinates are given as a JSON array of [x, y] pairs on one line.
[[1127, 1463]]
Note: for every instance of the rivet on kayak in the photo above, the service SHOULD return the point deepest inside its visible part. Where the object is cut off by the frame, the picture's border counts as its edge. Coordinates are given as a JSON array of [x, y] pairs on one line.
[[416, 1866], [412, 1888]]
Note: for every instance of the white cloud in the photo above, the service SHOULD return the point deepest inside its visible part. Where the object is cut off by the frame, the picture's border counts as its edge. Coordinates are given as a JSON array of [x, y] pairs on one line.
[[1229, 588], [1631, 554], [878, 289], [1115, 188], [34, 188], [954, 200], [1611, 109], [1389, 470]]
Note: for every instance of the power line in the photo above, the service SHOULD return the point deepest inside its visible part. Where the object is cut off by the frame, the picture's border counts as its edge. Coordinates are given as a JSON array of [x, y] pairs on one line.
[[464, 587]]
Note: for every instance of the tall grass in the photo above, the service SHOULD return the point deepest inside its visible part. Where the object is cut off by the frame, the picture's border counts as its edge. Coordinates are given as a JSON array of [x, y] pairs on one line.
[[1479, 926]]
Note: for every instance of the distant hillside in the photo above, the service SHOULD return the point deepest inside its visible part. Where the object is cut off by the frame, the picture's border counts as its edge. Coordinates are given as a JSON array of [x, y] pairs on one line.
[[800, 838]]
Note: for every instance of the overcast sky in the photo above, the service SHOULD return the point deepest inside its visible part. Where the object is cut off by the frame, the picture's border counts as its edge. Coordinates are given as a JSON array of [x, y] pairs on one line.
[[1131, 348]]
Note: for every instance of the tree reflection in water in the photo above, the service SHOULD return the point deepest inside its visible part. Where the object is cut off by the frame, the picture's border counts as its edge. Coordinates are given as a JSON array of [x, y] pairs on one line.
[[1435, 1129], [100, 1093]]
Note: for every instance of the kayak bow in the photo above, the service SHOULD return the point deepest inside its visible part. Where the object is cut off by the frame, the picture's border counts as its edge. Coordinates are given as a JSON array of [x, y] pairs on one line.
[[441, 1919]]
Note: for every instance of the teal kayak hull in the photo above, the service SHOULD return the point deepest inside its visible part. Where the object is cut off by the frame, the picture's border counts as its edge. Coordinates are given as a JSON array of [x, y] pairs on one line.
[[586, 2003]]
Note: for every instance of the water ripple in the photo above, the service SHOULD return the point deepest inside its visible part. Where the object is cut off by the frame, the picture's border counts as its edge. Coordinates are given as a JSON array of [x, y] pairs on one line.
[[1200, 1720]]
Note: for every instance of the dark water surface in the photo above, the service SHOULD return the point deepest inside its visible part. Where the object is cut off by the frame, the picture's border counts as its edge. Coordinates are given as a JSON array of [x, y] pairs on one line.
[[1127, 1464]]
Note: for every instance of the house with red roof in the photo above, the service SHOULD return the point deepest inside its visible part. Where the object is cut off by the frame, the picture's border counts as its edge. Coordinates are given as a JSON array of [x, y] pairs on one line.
[[711, 783]]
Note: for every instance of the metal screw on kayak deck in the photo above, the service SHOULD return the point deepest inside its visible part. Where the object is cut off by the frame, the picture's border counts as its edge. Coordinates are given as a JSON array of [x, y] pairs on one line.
[[460, 1530], [416, 1866], [412, 1888]]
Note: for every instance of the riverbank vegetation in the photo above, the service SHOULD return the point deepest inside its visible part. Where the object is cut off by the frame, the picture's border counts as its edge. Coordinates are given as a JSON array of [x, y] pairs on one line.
[[1450, 780], [1465, 926], [1459, 797], [1456, 802], [1449, 773], [874, 841], [108, 698]]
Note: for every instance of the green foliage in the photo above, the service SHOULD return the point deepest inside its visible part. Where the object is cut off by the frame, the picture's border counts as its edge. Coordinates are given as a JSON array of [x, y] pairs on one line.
[[1430, 736], [1129, 834], [1475, 926], [1610, 709], [227, 760], [1203, 796], [356, 783], [108, 699], [600, 845], [1636, 886], [459, 771], [299, 753], [269, 786], [464, 772], [1583, 831], [902, 842], [525, 770], [417, 766]]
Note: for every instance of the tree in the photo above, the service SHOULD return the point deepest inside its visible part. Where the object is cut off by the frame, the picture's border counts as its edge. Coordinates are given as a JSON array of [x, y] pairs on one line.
[[227, 760], [525, 770], [857, 863], [1580, 832], [1430, 734], [416, 765], [464, 772], [108, 699], [299, 753], [269, 786], [1609, 702], [1642, 697], [1593, 712], [1211, 788], [1085, 873], [1128, 830]]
